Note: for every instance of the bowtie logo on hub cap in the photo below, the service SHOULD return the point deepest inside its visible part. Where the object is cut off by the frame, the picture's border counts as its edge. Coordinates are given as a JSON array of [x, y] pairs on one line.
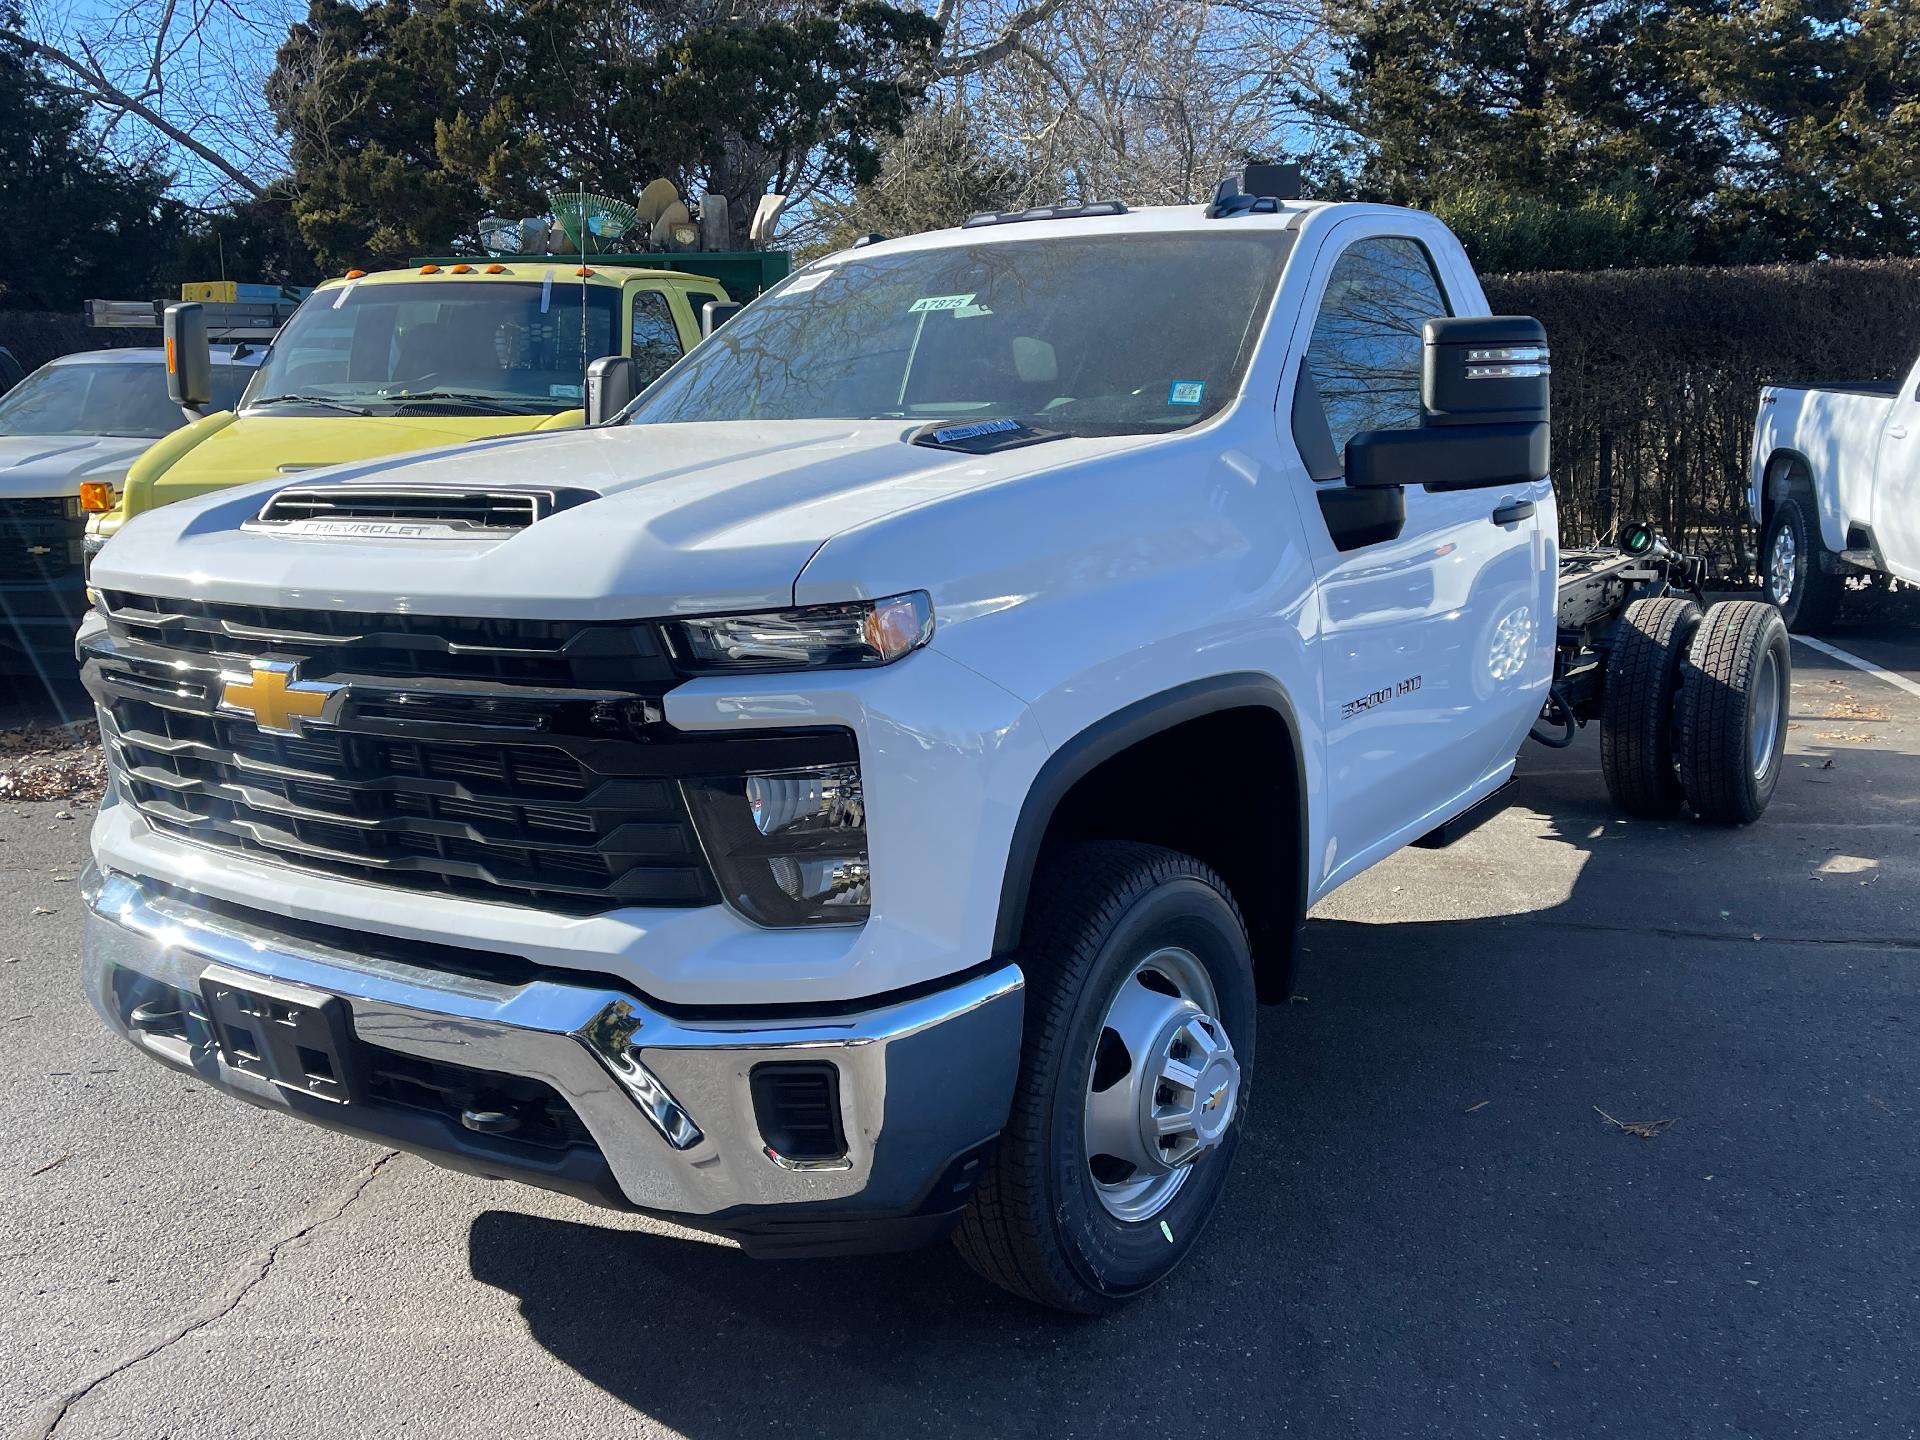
[[278, 701]]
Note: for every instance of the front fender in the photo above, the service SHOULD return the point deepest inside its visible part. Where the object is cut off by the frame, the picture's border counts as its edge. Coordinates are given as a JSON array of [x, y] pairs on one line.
[[136, 496]]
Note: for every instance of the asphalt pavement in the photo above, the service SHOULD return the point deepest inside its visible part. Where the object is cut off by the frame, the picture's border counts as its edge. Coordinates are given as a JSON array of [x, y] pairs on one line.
[[1433, 1229]]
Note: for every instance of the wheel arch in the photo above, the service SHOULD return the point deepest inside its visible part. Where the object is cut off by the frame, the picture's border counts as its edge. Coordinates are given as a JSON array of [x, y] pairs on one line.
[[1254, 834], [1786, 470]]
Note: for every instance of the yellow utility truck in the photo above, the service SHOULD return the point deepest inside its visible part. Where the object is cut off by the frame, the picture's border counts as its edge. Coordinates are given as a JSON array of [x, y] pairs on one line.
[[445, 351]]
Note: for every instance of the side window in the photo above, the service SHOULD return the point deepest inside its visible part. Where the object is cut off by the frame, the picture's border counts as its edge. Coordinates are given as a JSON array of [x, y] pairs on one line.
[[656, 339], [1364, 358]]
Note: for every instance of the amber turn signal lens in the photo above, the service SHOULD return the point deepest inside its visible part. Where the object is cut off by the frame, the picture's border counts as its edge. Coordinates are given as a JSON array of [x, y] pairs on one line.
[[96, 496]]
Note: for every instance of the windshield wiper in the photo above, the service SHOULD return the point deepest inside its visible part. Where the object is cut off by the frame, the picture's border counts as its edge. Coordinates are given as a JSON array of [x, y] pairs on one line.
[[322, 400], [490, 403]]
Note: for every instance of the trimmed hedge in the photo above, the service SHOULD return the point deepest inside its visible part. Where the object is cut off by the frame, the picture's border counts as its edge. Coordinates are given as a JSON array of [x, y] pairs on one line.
[[1663, 369]]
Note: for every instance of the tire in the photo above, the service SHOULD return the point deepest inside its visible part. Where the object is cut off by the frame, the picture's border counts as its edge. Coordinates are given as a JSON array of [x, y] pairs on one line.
[[1733, 711], [1807, 596], [1045, 1223], [1636, 711]]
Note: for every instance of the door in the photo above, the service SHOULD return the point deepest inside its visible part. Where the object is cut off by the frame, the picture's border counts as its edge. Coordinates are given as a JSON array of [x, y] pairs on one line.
[[1435, 642], [1896, 484]]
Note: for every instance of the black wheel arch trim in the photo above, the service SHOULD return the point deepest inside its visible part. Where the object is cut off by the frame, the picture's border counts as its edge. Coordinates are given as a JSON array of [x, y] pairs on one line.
[[1124, 728]]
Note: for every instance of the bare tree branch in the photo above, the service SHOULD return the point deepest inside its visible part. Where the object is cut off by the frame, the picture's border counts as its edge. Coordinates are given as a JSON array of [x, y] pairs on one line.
[[95, 86], [994, 51]]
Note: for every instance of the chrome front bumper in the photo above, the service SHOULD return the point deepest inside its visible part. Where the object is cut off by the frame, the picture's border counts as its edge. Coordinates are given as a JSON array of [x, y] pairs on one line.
[[924, 1083]]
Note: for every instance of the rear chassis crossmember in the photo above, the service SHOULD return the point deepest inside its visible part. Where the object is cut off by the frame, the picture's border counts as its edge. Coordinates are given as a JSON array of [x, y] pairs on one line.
[[1596, 586]]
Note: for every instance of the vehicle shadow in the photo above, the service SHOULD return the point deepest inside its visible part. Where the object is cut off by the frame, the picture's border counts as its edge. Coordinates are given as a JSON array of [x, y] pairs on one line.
[[1430, 1229]]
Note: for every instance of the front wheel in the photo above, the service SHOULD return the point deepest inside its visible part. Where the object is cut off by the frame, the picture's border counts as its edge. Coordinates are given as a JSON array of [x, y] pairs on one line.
[[1133, 1075]]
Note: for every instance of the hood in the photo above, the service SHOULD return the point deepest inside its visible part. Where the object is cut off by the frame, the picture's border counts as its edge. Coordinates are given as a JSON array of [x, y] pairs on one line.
[[262, 447], [32, 465], [685, 519]]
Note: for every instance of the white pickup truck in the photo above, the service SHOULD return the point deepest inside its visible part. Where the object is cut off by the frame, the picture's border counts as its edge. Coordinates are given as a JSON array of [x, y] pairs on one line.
[[1835, 491], [864, 789]]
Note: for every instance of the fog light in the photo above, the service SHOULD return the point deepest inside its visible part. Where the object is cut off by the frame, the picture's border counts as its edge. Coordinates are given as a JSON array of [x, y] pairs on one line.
[[788, 847], [827, 798]]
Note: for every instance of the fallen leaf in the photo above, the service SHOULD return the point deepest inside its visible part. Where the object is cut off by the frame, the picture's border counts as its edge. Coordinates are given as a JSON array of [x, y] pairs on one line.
[[1480, 1106], [1645, 1129], [54, 1164]]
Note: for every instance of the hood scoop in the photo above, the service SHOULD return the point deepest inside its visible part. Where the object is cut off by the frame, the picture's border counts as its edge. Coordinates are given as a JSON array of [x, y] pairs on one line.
[[411, 512]]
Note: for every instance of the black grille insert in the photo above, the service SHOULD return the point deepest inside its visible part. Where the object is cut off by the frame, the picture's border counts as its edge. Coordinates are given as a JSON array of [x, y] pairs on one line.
[[797, 1106], [40, 540]]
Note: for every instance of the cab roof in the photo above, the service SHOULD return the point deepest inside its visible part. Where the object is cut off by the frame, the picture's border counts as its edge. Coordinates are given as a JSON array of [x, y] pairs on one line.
[[563, 269], [154, 355]]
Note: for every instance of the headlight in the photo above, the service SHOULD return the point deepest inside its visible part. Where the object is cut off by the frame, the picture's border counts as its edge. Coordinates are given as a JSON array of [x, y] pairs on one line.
[[789, 847], [817, 637]]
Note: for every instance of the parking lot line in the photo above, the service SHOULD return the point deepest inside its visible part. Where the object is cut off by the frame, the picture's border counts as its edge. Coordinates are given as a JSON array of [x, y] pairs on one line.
[[1846, 658]]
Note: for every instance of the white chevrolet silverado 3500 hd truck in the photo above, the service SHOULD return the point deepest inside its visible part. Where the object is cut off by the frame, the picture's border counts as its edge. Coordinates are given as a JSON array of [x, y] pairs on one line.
[[869, 789], [1835, 491]]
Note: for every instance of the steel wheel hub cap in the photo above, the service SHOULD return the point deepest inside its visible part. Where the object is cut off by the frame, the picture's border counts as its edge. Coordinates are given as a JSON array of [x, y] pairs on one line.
[[1163, 1088], [1769, 703], [1780, 565]]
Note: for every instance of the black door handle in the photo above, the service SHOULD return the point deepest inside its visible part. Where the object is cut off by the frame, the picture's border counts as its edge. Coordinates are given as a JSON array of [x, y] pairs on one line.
[[1513, 512]]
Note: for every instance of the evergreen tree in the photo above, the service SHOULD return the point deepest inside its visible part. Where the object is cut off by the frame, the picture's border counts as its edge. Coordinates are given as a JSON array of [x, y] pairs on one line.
[[73, 225]]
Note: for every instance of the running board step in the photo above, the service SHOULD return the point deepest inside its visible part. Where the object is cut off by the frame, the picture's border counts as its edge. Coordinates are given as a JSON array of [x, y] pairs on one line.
[[1468, 820]]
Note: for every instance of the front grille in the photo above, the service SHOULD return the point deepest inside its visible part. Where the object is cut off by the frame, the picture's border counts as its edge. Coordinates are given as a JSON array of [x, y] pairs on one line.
[[482, 759], [40, 540]]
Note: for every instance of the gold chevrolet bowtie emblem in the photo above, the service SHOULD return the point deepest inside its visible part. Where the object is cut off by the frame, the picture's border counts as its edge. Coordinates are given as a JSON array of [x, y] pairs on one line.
[[280, 702], [1216, 1097]]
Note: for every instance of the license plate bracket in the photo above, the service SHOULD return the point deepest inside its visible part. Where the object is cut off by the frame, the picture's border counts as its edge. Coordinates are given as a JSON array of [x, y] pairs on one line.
[[294, 1037]]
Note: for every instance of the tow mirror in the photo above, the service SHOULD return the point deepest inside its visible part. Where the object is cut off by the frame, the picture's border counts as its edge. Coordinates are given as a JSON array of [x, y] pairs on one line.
[[189, 361], [1484, 402], [716, 313], [1487, 370], [612, 382]]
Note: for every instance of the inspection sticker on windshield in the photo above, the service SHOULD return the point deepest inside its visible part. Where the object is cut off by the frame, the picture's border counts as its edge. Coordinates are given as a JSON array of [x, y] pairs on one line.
[[564, 392], [1186, 392], [940, 302]]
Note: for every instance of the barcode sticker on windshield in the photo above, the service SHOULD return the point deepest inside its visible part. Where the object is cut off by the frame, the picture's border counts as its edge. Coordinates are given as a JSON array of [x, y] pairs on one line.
[[940, 302], [1186, 392]]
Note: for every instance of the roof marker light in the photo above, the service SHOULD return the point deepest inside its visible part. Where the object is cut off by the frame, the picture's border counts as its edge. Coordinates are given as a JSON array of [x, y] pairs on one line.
[[429, 269], [463, 269], [496, 270], [356, 274]]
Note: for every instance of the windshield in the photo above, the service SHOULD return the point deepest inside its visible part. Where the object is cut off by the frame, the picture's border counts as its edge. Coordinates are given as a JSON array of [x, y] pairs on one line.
[[1109, 334], [490, 346], [106, 399]]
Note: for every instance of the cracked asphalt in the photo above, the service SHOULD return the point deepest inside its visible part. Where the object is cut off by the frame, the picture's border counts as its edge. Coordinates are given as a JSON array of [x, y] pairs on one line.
[[1431, 1230]]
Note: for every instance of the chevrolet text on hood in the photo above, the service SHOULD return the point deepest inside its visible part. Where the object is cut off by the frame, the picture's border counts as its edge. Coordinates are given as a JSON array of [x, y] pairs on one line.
[[864, 790]]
